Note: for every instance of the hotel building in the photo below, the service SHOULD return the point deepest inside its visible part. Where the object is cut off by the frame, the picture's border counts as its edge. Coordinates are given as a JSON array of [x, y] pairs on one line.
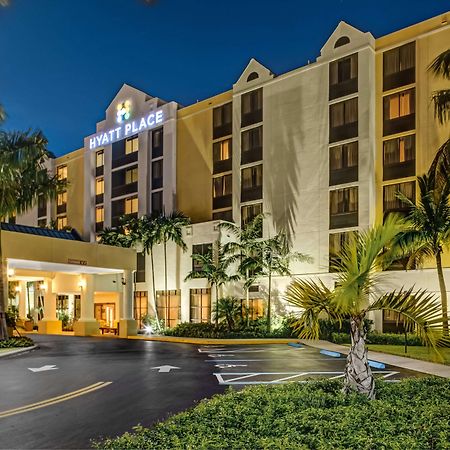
[[322, 150]]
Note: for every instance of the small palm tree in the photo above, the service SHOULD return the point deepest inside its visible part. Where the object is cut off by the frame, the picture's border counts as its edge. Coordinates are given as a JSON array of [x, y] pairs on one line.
[[23, 179], [215, 267], [228, 309], [428, 231], [169, 228], [361, 261]]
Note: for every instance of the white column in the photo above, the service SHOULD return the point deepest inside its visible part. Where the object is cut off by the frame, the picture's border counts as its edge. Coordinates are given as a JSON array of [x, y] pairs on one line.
[[23, 299], [86, 325], [127, 325], [49, 324]]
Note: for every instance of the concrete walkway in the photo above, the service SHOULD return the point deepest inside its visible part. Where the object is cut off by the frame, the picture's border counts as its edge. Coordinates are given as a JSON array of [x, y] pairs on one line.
[[430, 368], [14, 351]]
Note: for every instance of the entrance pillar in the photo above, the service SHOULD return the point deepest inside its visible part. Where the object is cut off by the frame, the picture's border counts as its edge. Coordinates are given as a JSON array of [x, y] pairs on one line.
[[50, 323], [23, 299], [127, 325], [86, 325]]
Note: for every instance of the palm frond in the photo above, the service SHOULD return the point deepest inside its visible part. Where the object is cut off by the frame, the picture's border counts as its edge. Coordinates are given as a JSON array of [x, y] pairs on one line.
[[440, 66], [421, 313], [440, 166], [441, 101]]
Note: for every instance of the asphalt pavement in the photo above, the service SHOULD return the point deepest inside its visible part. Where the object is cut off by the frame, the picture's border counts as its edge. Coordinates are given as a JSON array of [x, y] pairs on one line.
[[73, 389]]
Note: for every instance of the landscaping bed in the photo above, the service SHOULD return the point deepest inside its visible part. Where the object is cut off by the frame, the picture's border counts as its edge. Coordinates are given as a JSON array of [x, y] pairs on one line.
[[412, 414], [16, 342]]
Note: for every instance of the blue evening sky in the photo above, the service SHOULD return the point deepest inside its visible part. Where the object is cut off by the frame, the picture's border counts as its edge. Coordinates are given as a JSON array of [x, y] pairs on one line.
[[62, 61]]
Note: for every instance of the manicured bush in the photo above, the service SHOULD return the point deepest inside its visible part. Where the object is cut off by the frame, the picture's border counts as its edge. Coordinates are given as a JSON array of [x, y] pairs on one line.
[[412, 414], [379, 338], [328, 327], [13, 342]]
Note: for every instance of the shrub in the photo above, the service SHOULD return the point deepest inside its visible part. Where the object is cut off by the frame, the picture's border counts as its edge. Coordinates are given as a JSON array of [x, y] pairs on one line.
[[412, 414], [14, 342], [379, 338], [12, 315], [328, 327]]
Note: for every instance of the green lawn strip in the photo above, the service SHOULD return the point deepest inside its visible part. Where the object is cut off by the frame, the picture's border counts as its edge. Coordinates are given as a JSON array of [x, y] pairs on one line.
[[421, 353], [412, 414]]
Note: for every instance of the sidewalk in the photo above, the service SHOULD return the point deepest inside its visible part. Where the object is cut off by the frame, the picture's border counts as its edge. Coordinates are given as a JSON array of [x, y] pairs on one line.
[[14, 351], [430, 368]]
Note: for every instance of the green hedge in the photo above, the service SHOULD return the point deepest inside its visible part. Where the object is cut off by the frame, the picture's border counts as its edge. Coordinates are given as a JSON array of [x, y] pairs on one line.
[[379, 338], [14, 342], [412, 414]]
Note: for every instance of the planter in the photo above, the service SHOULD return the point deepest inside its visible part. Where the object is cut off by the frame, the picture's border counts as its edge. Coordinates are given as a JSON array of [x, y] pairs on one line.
[[28, 325], [10, 331]]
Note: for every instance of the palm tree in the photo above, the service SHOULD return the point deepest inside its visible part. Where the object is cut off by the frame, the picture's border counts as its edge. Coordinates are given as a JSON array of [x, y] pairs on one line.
[[229, 309], [169, 228], [23, 178], [361, 260], [428, 231], [215, 267], [140, 234]]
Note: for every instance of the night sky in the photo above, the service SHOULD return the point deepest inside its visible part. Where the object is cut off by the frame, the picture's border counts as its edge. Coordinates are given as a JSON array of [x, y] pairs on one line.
[[62, 61]]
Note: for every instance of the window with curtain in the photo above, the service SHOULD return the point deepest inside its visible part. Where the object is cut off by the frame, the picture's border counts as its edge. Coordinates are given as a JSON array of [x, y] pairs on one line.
[[61, 222], [131, 145], [251, 139], [131, 175], [222, 186], [140, 306], [252, 177], [222, 150], [222, 115], [343, 156], [252, 101], [344, 113], [200, 305], [391, 202], [399, 150], [168, 305], [99, 186], [157, 202], [344, 69], [399, 59], [99, 214], [131, 205], [344, 201], [100, 158], [399, 105], [157, 169], [249, 212], [61, 198]]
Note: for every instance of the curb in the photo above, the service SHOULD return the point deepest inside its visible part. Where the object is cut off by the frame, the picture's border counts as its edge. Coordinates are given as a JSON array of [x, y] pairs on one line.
[[206, 341], [18, 350]]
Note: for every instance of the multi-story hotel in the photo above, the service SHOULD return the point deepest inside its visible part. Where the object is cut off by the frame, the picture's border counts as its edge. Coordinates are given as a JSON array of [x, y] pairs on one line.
[[321, 150]]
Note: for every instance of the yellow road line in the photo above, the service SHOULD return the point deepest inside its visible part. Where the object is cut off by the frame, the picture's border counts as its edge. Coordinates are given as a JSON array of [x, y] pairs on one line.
[[55, 400]]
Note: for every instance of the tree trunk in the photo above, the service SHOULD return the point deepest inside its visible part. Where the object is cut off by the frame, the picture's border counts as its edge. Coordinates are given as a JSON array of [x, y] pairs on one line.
[[3, 295], [166, 297], [443, 290], [216, 319], [247, 298], [154, 290], [269, 303], [358, 375]]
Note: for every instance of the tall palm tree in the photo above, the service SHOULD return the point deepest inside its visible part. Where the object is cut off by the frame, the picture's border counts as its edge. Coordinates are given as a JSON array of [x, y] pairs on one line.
[[170, 229], [428, 231], [215, 267], [361, 260], [23, 178], [140, 234]]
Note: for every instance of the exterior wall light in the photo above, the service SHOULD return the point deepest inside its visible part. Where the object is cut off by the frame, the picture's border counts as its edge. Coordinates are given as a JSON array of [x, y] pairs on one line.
[[43, 287], [82, 283], [17, 288], [11, 272]]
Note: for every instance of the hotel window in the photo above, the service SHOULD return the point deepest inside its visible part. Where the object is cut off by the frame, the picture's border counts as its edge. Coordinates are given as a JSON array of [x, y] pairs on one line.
[[61, 172], [223, 215], [140, 268], [99, 214], [251, 144], [399, 157], [391, 202], [249, 212], [251, 179], [131, 145], [344, 163], [344, 120], [256, 307], [140, 306], [222, 155], [169, 307], [61, 198], [131, 175], [222, 186], [99, 189], [157, 174], [42, 206], [100, 158], [251, 107], [157, 202], [157, 143], [222, 120], [344, 76], [131, 205], [399, 66], [398, 112], [42, 223], [337, 242], [200, 249], [344, 207], [61, 222], [200, 305]]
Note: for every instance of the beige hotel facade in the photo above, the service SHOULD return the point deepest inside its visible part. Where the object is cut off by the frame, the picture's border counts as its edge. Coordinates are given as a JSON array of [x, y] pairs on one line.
[[321, 150]]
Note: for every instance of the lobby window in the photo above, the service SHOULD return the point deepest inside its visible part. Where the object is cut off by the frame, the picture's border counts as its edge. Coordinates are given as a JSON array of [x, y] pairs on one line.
[[399, 112], [399, 66], [344, 76], [344, 120], [222, 155], [100, 158], [252, 145], [399, 156], [61, 172], [140, 306], [157, 174], [200, 249], [131, 145], [157, 143], [251, 183], [222, 120], [169, 307], [157, 202], [140, 268], [337, 242], [61, 222], [391, 202], [131, 175], [344, 163], [249, 212], [200, 305], [131, 205], [344, 207], [251, 107]]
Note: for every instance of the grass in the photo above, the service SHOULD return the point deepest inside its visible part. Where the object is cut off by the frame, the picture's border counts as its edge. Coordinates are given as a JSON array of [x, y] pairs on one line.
[[411, 414], [421, 353]]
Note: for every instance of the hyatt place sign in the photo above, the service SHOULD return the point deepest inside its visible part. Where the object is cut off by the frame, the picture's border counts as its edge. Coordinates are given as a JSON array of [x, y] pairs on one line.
[[126, 129]]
